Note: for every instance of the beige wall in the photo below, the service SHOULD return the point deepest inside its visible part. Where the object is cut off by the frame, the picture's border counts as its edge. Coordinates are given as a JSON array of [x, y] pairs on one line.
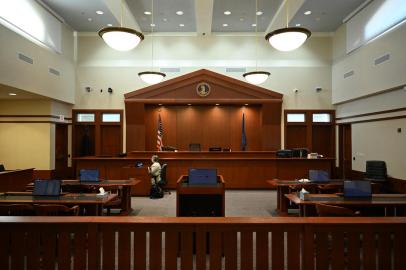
[[29, 144], [36, 78]]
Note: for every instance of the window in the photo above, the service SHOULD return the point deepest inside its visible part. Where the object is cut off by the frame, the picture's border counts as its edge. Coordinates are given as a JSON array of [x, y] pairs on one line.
[[321, 118], [111, 117], [296, 117], [85, 117]]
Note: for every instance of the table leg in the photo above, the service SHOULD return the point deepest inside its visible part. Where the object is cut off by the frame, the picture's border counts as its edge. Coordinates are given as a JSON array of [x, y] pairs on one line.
[[126, 201]]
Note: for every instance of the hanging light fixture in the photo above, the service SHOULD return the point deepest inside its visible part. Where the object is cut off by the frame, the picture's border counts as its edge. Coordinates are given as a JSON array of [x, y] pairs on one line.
[[256, 77], [152, 77], [289, 38], [121, 38]]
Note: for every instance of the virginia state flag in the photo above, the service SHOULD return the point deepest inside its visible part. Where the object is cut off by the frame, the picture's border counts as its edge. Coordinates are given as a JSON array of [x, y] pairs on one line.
[[243, 135]]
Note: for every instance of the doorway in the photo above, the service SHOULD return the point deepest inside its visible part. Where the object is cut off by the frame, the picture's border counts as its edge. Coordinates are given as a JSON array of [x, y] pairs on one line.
[[345, 151]]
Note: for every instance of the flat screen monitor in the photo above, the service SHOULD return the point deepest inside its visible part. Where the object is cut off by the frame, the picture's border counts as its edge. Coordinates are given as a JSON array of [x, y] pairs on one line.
[[47, 188], [89, 175], [319, 176], [205, 177], [357, 189]]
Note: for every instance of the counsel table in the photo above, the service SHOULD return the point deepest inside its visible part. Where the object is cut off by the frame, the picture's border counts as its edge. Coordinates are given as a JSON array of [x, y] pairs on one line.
[[92, 203], [111, 184], [282, 187], [393, 203]]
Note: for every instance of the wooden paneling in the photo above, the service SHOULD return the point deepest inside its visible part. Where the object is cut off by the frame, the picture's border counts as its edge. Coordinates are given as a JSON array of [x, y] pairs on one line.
[[296, 137], [203, 122], [110, 140], [241, 170], [321, 140], [293, 243]]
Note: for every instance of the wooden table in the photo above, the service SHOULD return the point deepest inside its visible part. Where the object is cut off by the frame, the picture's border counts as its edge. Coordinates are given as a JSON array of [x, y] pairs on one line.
[[394, 204], [282, 188], [202, 200], [92, 203], [126, 186]]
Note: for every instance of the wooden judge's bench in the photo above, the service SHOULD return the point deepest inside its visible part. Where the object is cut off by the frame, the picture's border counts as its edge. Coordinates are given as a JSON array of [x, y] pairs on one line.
[[241, 170]]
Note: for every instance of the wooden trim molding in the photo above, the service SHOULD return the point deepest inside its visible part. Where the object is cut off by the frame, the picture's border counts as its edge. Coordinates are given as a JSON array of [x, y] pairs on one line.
[[374, 120], [35, 122], [32, 116], [371, 113]]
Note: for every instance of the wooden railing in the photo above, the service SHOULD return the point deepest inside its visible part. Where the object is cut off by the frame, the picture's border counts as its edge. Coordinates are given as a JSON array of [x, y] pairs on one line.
[[196, 243]]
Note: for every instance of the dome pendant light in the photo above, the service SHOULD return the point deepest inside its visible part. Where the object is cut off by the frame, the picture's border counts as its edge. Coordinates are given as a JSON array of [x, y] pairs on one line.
[[152, 77], [289, 38], [256, 77], [121, 38]]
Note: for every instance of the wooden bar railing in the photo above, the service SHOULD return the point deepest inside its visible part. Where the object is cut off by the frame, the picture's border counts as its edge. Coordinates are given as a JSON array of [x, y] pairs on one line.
[[201, 243]]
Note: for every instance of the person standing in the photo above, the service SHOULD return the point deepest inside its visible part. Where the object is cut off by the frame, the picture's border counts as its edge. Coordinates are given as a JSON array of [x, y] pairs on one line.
[[155, 172]]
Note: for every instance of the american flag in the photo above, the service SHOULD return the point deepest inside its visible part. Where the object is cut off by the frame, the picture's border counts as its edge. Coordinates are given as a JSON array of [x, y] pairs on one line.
[[160, 134]]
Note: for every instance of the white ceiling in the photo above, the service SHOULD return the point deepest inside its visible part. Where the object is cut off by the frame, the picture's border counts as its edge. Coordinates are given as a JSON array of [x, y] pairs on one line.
[[327, 15]]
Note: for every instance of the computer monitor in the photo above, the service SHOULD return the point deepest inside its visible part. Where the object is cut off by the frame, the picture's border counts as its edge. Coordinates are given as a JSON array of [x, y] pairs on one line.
[[215, 149], [47, 188], [89, 175], [357, 189], [319, 176], [206, 177]]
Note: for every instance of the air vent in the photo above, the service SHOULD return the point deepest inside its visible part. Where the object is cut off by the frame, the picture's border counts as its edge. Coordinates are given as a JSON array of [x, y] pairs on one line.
[[236, 70], [382, 59], [54, 71], [169, 70], [25, 58], [348, 74]]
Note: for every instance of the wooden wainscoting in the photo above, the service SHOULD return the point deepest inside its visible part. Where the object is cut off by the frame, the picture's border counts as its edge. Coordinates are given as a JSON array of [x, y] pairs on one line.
[[280, 243]]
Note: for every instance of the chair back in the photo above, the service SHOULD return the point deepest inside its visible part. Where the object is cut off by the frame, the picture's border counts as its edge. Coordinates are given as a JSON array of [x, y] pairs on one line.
[[56, 210], [194, 147], [163, 174], [376, 170]]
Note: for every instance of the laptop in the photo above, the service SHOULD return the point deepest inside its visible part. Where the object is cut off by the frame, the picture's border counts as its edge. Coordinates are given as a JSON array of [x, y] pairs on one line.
[[89, 175], [319, 176], [205, 177], [47, 188], [357, 189]]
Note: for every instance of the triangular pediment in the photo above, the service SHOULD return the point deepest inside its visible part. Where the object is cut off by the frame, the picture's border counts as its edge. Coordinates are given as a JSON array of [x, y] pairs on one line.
[[204, 86]]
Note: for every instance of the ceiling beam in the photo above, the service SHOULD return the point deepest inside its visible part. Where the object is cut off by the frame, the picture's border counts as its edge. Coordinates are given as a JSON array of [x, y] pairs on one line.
[[204, 14], [279, 20], [128, 18]]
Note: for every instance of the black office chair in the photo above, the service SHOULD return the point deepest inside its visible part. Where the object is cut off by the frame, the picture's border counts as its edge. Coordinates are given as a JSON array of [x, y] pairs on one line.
[[2, 169], [164, 182], [194, 147], [375, 171]]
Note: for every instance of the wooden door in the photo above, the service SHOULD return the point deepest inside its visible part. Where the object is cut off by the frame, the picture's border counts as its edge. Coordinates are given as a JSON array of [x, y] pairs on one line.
[[61, 151], [345, 150]]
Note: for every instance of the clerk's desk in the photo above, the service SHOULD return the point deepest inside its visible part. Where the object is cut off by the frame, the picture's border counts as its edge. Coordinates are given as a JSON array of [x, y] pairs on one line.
[[242, 169], [200, 200], [93, 203], [15, 180], [393, 204]]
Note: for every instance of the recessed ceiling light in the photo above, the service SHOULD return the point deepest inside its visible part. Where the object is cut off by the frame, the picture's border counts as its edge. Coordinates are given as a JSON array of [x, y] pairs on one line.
[[12, 94], [227, 12], [298, 24], [179, 12], [189, 104], [246, 104], [147, 12], [225, 24], [308, 12], [109, 24], [89, 19], [100, 12], [241, 19], [253, 25], [160, 104], [152, 24], [259, 13], [217, 104], [181, 25], [165, 19]]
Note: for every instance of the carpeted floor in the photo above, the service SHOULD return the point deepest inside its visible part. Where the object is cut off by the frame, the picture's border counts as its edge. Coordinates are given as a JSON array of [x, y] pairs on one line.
[[239, 203]]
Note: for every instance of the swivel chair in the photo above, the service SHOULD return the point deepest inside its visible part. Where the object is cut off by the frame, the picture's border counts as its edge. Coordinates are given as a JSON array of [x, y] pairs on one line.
[[2, 169], [162, 184], [375, 171]]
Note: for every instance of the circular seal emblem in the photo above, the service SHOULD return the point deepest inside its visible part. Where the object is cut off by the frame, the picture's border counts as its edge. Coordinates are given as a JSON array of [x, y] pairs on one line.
[[203, 89]]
